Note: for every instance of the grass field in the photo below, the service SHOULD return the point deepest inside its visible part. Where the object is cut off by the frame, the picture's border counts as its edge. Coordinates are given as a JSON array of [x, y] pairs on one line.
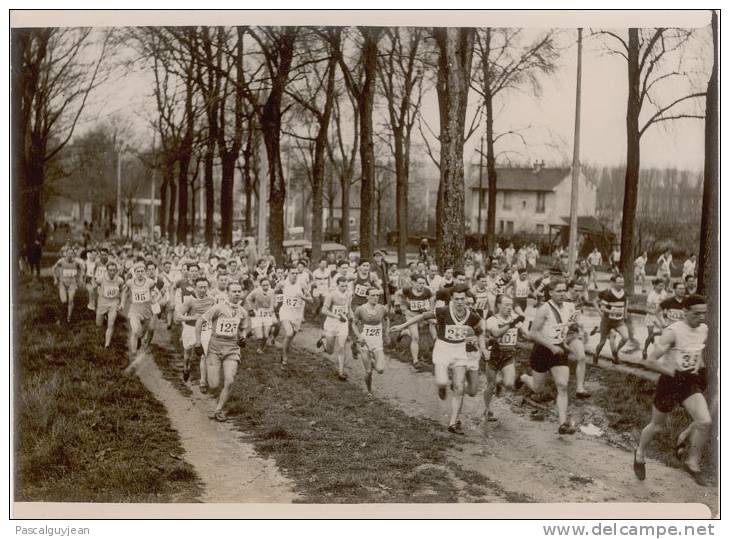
[[82, 431], [337, 443]]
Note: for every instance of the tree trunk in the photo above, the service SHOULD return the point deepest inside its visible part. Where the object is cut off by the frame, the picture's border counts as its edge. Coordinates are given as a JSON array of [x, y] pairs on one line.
[[209, 192], [162, 216], [365, 104], [345, 203], [182, 197], [171, 211], [633, 162], [491, 179], [247, 180], [455, 46], [709, 260], [401, 197], [228, 167]]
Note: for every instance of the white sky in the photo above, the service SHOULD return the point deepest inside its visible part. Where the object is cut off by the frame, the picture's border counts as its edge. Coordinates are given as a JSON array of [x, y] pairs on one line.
[[551, 115]]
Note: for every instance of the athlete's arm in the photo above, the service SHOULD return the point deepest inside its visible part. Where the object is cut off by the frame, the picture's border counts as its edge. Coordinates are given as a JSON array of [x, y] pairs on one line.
[[326, 307], [428, 315], [661, 347], [208, 316]]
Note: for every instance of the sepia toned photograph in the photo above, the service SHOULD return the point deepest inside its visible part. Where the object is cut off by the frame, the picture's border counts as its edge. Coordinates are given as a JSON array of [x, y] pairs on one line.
[[449, 260]]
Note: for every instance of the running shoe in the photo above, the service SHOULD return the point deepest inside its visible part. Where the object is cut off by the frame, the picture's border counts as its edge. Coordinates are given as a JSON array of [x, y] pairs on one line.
[[456, 428], [490, 416], [566, 428], [220, 415], [518, 381], [320, 343], [442, 393], [680, 450], [639, 469], [582, 395], [186, 375], [342, 377], [594, 331], [203, 388]]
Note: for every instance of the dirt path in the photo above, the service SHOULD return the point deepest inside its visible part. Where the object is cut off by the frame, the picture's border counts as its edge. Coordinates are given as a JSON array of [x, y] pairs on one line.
[[229, 468], [526, 457]]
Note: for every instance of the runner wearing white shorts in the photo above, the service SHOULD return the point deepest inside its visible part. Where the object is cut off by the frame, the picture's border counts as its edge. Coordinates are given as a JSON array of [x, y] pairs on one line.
[[141, 292], [227, 318], [652, 320], [370, 322], [291, 313], [67, 273], [194, 307], [336, 309], [261, 305], [110, 287], [454, 322]]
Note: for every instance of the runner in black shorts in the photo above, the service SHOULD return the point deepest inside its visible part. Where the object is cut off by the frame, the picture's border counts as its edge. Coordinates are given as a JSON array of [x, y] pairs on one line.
[[679, 356]]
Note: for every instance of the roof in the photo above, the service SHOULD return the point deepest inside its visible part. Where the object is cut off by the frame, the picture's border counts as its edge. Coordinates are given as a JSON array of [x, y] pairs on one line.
[[589, 224], [526, 179]]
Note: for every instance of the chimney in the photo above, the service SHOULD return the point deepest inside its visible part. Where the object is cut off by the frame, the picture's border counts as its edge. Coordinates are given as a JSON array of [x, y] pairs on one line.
[[537, 166]]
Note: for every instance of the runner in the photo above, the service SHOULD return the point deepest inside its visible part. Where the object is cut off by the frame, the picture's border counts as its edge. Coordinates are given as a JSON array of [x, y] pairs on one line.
[[640, 271], [653, 317], [142, 293], [336, 309], [370, 321], [549, 332], [576, 336], [502, 329], [689, 268], [89, 279], [672, 309], [522, 290], [227, 318], [594, 261], [678, 357], [67, 275], [321, 281], [449, 351], [482, 295], [611, 303], [192, 309], [291, 313], [110, 286], [664, 267], [261, 304], [414, 301]]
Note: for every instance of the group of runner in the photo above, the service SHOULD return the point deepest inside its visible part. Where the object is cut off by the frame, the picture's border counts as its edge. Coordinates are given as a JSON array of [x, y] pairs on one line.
[[477, 319]]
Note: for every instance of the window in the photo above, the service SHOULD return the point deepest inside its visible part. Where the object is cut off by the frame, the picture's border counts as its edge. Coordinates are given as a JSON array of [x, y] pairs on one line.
[[507, 200], [501, 227], [510, 227], [541, 203], [540, 229]]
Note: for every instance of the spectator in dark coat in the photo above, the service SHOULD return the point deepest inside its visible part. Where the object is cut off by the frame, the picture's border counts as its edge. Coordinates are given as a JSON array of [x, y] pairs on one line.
[[379, 266]]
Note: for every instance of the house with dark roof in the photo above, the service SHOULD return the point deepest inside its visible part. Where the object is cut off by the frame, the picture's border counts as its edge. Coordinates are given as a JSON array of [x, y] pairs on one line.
[[529, 199]]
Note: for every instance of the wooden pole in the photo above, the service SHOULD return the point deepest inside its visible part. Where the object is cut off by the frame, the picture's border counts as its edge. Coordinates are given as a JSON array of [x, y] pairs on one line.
[[573, 237], [479, 196]]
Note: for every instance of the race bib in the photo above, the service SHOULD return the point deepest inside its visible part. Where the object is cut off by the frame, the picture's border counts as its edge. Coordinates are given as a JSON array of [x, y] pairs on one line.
[[417, 305], [291, 302], [559, 333], [205, 326], [69, 272], [455, 333], [482, 302], [279, 298], [521, 292], [372, 331], [573, 317], [140, 296], [227, 327], [616, 313], [264, 313], [339, 310], [111, 293], [509, 338], [690, 359], [361, 290], [675, 314]]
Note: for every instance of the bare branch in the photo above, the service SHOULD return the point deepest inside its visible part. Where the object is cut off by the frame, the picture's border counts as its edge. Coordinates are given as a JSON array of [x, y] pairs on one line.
[[659, 114]]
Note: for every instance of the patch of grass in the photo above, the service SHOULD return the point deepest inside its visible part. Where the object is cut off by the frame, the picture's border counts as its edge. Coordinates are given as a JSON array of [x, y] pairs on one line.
[[337, 443], [85, 433]]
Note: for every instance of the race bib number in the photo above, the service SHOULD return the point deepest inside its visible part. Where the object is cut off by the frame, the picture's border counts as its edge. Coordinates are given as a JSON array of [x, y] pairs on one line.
[[111, 293], [482, 302], [675, 314], [205, 326], [264, 313], [339, 310], [142, 296], [521, 292], [559, 333], [509, 338], [361, 290], [690, 359], [372, 331], [226, 327], [574, 317], [291, 302], [616, 313], [69, 272], [455, 333], [417, 305]]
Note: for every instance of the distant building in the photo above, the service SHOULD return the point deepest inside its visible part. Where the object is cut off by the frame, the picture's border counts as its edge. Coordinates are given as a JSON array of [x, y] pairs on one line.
[[530, 200]]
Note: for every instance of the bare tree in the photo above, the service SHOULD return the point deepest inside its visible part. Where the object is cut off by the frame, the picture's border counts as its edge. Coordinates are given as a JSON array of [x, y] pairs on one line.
[[455, 49], [647, 53], [504, 63], [364, 93], [401, 77], [317, 97], [53, 74]]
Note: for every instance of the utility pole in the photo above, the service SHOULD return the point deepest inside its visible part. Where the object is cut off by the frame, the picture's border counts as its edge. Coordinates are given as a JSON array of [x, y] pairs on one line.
[[573, 237], [152, 188]]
